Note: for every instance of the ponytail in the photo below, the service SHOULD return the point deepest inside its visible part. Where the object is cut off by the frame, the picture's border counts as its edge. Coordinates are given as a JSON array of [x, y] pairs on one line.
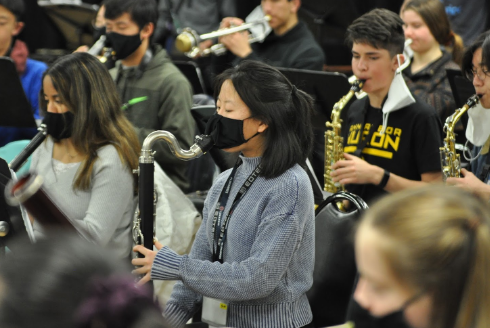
[[456, 47]]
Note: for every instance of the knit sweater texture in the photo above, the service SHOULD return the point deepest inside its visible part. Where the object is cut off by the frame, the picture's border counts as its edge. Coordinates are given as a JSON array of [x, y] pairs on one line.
[[103, 213], [268, 255]]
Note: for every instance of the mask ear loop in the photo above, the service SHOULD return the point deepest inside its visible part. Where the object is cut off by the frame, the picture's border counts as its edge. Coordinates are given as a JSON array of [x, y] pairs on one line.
[[401, 67], [467, 153]]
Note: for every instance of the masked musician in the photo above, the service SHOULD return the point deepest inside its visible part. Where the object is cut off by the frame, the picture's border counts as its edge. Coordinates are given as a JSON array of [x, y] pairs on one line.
[[155, 94], [87, 159], [424, 258], [476, 61], [435, 48], [261, 268], [290, 45], [390, 140]]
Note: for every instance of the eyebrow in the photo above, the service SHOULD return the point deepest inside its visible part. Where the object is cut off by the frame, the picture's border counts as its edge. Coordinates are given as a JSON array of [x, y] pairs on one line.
[[226, 101], [367, 53]]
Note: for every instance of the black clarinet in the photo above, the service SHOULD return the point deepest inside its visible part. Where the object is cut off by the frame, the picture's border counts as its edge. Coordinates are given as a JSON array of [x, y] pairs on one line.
[[21, 158], [144, 219]]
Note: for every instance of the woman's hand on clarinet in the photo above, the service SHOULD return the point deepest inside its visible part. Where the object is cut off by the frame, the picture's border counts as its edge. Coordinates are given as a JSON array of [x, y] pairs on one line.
[[145, 263]]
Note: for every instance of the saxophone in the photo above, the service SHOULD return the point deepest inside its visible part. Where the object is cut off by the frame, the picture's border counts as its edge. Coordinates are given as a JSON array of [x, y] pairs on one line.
[[334, 143], [450, 160]]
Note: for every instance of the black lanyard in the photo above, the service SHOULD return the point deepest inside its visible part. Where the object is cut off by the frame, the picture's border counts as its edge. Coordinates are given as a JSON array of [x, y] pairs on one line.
[[219, 235]]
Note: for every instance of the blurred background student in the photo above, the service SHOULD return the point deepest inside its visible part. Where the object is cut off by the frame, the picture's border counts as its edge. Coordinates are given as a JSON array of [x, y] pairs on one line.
[[423, 257], [435, 48], [66, 282]]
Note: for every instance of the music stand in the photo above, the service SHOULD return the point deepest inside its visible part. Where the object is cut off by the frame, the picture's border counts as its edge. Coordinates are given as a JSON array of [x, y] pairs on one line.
[[325, 87], [15, 108], [73, 18]]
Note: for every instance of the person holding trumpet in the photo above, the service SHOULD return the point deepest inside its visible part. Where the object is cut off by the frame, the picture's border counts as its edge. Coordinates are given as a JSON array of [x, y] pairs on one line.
[[290, 45], [476, 63]]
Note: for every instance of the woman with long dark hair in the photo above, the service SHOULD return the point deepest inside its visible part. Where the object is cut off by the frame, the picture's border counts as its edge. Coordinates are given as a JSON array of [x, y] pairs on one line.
[[87, 160], [254, 252]]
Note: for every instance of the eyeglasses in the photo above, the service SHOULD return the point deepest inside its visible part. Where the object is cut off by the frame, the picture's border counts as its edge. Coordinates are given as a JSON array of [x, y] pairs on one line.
[[480, 73]]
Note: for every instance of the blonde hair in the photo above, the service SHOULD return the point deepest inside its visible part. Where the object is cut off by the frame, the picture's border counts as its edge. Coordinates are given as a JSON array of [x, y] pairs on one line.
[[434, 15], [438, 241]]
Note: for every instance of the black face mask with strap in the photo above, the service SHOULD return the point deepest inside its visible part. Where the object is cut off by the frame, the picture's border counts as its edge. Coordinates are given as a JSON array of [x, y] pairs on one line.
[[59, 125], [226, 132], [124, 45]]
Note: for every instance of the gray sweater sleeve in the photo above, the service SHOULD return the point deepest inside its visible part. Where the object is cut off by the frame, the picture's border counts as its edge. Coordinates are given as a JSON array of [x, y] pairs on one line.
[[110, 193], [277, 238]]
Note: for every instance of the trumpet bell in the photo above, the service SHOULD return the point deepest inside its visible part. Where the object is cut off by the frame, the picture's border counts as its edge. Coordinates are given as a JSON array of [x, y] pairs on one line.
[[186, 40]]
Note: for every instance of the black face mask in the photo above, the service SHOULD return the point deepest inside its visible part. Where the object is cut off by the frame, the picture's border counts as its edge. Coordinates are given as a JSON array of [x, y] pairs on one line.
[[98, 32], [392, 319], [59, 126], [124, 45], [226, 132]]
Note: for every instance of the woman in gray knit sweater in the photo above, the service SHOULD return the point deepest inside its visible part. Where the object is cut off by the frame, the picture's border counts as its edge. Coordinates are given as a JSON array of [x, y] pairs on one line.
[[91, 150], [252, 259]]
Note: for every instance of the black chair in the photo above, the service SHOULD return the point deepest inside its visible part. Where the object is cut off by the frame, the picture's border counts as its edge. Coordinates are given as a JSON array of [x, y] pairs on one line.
[[335, 269], [193, 73]]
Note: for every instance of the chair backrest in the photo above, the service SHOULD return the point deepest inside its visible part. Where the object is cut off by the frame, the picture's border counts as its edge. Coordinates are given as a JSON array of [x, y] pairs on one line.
[[193, 73], [335, 269], [12, 149]]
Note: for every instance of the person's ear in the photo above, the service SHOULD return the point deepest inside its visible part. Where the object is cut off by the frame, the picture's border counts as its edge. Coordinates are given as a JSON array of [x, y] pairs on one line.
[[398, 61], [18, 28], [147, 31], [262, 127], [295, 4]]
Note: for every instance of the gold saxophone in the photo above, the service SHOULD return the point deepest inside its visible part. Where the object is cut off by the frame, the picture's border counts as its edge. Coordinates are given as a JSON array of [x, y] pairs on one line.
[[334, 143], [450, 160]]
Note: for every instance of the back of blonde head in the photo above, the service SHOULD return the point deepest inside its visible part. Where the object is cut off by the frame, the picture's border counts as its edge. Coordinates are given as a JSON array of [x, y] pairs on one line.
[[438, 241]]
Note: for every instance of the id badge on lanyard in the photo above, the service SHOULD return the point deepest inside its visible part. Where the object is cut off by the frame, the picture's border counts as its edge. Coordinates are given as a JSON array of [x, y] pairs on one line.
[[214, 312]]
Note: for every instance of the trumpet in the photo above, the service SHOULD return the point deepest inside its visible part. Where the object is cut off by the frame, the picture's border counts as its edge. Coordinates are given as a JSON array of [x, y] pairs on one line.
[[188, 41], [450, 160]]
